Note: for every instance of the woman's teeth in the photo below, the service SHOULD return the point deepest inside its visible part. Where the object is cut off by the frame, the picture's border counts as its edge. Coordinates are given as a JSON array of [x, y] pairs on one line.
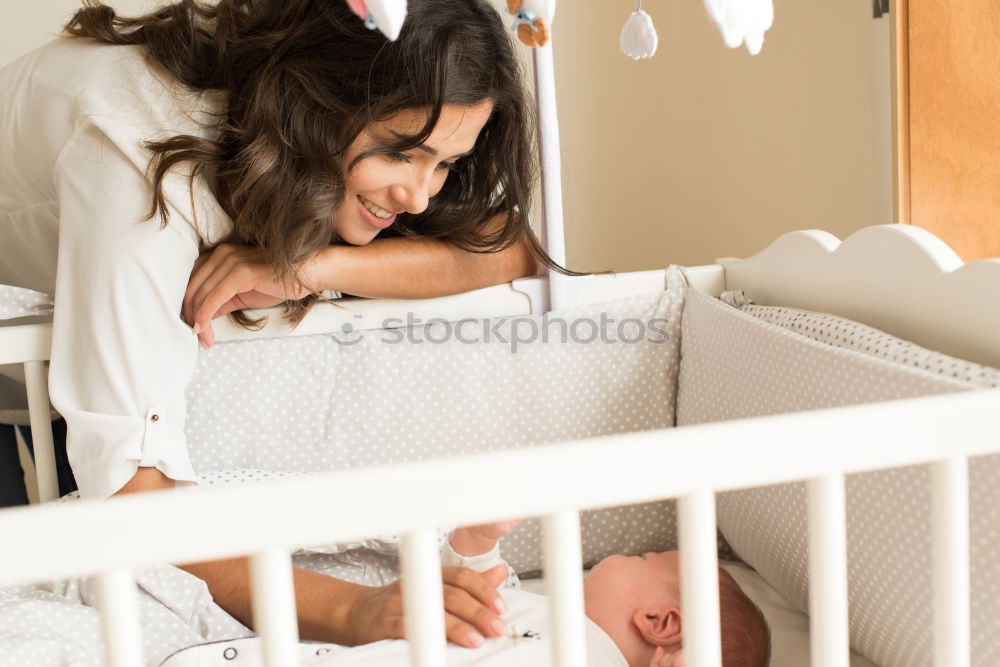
[[376, 211]]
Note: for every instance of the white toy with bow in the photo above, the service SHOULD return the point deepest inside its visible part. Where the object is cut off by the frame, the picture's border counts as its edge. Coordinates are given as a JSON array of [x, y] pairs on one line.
[[385, 15]]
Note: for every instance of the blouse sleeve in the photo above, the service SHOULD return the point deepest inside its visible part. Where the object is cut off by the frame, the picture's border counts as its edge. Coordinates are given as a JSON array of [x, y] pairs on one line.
[[121, 355]]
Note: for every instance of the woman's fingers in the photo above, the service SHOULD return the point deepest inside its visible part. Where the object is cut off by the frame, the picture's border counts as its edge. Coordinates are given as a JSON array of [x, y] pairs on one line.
[[229, 279], [481, 586], [470, 614], [203, 268], [459, 632], [473, 598], [225, 262], [207, 337], [202, 258], [494, 577]]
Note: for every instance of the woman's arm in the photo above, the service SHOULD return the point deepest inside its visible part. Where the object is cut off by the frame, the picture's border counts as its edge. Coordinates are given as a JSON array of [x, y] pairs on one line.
[[233, 277], [341, 612], [416, 268]]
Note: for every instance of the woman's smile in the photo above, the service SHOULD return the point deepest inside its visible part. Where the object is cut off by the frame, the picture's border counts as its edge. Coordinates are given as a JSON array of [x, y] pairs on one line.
[[374, 215]]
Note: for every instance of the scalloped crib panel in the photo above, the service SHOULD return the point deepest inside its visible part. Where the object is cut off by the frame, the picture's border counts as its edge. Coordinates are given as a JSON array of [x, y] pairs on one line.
[[898, 278]]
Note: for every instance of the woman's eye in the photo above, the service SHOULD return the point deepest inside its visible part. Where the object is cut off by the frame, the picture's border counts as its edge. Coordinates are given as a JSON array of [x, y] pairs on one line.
[[450, 166], [398, 157]]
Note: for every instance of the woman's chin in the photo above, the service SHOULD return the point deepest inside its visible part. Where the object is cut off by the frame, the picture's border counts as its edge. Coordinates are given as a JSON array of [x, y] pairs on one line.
[[358, 238]]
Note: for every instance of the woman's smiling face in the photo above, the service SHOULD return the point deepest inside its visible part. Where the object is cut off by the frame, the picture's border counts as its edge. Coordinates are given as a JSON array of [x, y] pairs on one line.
[[383, 185]]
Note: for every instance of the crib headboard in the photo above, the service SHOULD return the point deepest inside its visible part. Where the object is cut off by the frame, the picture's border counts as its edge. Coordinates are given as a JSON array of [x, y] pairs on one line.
[[897, 278]]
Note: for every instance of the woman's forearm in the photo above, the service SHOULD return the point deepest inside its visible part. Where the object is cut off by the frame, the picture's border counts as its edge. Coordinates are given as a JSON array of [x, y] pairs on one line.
[[323, 603], [415, 268]]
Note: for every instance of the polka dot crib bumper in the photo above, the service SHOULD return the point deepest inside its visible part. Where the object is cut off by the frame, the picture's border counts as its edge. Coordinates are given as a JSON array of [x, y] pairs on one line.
[[736, 366], [356, 399]]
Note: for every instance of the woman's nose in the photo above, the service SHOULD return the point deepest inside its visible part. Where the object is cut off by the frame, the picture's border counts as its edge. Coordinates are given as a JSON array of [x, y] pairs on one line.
[[415, 193]]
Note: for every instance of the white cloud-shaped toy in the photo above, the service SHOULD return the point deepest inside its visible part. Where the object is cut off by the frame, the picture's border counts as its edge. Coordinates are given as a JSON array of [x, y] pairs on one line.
[[742, 21], [638, 39]]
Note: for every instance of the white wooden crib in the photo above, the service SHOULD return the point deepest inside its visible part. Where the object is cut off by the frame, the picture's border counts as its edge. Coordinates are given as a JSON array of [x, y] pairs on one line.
[[897, 278]]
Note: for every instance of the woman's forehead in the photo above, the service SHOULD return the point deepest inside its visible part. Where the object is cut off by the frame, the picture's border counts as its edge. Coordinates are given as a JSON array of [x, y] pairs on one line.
[[456, 124]]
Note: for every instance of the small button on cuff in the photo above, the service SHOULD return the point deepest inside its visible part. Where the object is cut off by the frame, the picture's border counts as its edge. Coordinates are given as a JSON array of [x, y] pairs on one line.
[[155, 418]]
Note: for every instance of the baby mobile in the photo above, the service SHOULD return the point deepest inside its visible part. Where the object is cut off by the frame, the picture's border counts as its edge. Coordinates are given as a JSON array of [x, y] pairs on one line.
[[739, 21]]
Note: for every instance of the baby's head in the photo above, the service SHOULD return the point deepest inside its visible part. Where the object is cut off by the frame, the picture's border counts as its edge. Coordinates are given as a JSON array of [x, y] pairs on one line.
[[636, 601]]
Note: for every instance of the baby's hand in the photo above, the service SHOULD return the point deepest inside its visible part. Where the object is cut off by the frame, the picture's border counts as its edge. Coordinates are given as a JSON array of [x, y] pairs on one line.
[[495, 530], [481, 538]]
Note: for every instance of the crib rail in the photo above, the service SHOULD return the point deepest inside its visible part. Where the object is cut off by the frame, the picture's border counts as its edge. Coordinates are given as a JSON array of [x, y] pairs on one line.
[[200, 524], [29, 344]]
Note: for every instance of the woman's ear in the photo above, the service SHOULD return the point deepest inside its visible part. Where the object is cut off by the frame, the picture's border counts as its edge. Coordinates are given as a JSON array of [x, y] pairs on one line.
[[659, 626]]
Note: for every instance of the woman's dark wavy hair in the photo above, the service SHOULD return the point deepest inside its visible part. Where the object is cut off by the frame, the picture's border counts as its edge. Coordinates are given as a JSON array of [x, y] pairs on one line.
[[302, 79]]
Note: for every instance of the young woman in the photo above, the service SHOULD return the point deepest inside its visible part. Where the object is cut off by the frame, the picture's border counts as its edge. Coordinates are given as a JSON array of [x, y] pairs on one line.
[[158, 172]]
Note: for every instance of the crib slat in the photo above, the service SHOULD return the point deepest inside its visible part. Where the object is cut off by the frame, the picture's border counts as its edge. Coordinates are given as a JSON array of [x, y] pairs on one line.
[[548, 135], [116, 600], [37, 384], [563, 564], [951, 563], [828, 631], [273, 606], [423, 600], [699, 579]]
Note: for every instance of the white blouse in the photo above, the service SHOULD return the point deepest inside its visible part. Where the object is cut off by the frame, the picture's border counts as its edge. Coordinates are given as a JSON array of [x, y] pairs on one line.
[[73, 194]]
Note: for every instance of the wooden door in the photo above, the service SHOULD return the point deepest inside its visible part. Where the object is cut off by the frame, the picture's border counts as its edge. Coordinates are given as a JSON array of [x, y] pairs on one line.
[[948, 121]]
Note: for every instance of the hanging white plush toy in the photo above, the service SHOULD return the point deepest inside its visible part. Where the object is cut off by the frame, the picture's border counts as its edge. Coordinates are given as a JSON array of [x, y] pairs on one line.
[[532, 20], [742, 21], [385, 15], [638, 38]]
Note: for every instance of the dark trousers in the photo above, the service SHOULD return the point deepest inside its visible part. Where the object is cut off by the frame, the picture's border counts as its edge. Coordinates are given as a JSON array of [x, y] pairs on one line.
[[12, 489]]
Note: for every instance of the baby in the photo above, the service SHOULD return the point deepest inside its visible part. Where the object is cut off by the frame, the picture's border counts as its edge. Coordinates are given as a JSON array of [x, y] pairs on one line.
[[632, 604]]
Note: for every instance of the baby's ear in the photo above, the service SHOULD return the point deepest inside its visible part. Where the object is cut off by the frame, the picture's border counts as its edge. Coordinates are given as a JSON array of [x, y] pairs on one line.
[[659, 626]]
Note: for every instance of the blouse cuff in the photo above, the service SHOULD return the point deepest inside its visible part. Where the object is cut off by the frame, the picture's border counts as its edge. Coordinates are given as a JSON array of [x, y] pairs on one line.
[[114, 447]]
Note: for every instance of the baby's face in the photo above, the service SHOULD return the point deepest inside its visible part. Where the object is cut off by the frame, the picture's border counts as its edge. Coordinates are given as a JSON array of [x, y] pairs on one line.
[[631, 582]]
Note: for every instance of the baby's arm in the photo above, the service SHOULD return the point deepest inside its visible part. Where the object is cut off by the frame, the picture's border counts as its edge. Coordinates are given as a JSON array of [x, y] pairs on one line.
[[480, 539], [478, 548]]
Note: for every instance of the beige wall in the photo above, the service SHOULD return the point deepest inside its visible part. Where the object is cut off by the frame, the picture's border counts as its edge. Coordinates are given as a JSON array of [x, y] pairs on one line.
[[28, 23], [701, 151]]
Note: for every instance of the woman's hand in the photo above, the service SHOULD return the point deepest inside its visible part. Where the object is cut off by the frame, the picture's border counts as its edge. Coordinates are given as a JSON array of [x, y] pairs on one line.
[[471, 602], [231, 277]]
